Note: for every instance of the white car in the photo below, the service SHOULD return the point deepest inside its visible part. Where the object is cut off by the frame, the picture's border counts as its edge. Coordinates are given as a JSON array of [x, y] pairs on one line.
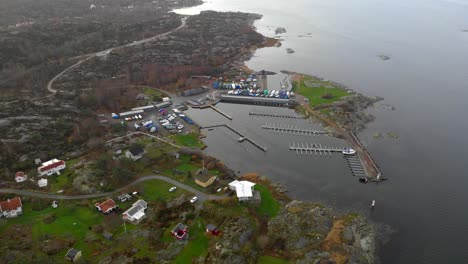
[[163, 121], [173, 189], [194, 199], [180, 127]]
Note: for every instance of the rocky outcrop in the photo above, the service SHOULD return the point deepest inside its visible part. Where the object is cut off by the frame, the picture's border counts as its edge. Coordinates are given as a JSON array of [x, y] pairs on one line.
[[313, 233]]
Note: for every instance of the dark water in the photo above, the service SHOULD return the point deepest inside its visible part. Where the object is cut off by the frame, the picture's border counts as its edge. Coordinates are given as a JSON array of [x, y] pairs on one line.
[[426, 80]]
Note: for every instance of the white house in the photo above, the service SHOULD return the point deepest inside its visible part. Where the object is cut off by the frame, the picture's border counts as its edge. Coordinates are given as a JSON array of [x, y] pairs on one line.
[[244, 189], [20, 176], [51, 167], [135, 153], [135, 213], [42, 183], [11, 208]]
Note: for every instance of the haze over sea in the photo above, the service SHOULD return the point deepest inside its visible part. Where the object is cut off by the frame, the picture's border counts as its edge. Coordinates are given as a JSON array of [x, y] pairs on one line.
[[426, 80]]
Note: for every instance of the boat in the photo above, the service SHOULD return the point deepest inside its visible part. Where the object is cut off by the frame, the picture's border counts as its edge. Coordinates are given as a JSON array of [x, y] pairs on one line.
[[349, 151], [241, 139]]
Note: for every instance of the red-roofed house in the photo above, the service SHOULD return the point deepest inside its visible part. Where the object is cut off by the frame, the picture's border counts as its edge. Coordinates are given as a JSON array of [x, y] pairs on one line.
[[180, 232], [11, 208], [107, 206], [50, 167], [20, 176]]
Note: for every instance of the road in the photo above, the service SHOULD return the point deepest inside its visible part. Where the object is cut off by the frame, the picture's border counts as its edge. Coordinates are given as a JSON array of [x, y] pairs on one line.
[[201, 195], [146, 134], [86, 57]]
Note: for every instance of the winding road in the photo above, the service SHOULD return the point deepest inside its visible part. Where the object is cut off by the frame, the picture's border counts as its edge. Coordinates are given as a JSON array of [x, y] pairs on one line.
[[201, 195], [107, 51]]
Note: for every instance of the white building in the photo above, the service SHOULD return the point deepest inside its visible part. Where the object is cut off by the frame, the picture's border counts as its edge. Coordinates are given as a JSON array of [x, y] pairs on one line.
[[51, 167], [135, 213], [20, 176], [11, 208], [42, 183], [244, 189]]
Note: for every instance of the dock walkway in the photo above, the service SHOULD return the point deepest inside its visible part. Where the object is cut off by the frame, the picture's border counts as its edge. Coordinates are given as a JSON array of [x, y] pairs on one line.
[[221, 112], [317, 149], [275, 115], [244, 138], [293, 130]]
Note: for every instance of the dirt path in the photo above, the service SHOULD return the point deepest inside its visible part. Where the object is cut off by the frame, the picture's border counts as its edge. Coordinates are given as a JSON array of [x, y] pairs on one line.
[[334, 238], [86, 57]]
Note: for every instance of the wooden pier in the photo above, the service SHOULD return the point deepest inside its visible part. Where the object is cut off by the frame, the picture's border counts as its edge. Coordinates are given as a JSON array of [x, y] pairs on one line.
[[244, 138], [293, 130], [275, 115], [317, 149], [355, 165], [221, 112]]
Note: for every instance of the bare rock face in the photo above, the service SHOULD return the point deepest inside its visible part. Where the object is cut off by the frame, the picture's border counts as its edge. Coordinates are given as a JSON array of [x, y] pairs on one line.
[[280, 30], [309, 233]]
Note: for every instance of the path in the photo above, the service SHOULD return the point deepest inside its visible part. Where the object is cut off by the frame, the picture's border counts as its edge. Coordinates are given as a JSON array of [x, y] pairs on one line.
[[86, 57], [146, 134], [201, 195]]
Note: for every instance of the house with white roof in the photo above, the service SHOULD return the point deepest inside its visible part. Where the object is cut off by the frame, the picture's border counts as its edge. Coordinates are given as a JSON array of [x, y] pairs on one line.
[[135, 213], [50, 167], [42, 183], [20, 176], [244, 189]]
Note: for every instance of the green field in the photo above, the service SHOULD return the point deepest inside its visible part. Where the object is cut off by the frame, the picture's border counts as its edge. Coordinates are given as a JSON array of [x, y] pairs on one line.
[[268, 206], [157, 190], [314, 89], [271, 260], [189, 140]]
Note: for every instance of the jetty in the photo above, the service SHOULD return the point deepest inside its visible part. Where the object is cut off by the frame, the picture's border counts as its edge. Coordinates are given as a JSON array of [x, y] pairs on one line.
[[293, 130], [221, 112], [275, 115], [244, 138], [355, 164], [317, 149]]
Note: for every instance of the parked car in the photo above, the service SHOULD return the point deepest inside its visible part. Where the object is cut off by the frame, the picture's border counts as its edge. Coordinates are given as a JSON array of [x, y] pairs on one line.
[[173, 189], [194, 199]]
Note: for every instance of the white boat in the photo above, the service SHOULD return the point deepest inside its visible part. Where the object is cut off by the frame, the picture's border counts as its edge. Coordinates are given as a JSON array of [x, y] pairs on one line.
[[349, 151]]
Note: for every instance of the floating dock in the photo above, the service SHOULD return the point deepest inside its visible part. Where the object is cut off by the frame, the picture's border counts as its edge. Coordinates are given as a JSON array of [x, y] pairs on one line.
[[317, 149], [221, 112], [275, 115], [355, 165], [293, 130], [244, 138]]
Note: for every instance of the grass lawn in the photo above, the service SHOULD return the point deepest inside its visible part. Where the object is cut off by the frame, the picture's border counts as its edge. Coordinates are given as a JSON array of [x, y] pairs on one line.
[[153, 94], [271, 260], [198, 243], [320, 87], [268, 206], [189, 140], [159, 190]]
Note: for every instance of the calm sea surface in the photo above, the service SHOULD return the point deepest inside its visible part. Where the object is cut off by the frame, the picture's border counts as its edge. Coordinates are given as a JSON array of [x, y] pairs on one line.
[[426, 80]]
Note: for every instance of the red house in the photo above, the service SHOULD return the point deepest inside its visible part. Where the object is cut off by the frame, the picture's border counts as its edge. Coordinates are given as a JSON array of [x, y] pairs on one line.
[[180, 231], [212, 229], [106, 207], [51, 167]]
